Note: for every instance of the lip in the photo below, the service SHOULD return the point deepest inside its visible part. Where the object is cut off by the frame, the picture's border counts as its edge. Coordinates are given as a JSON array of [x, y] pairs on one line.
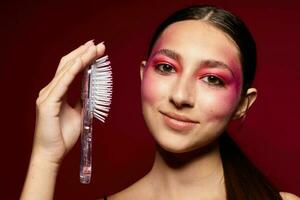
[[178, 122]]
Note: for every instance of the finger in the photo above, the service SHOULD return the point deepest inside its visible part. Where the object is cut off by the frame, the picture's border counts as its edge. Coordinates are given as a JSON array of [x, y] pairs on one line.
[[57, 93], [87, 57], [45, 91], [64, 60], [100, 49], [93, 53], [73, 54], [78, 107], [62, 85], [72, 68]]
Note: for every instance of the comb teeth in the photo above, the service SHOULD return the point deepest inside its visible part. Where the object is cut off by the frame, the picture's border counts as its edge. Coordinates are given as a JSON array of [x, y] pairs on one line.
[[101, 84]]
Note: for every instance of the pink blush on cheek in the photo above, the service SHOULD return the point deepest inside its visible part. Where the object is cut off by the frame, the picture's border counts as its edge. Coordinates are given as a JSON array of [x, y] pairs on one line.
[[218, 104], [153, 86]]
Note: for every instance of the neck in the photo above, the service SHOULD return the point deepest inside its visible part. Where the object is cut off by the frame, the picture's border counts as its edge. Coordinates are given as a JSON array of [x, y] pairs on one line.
[[198, 173]]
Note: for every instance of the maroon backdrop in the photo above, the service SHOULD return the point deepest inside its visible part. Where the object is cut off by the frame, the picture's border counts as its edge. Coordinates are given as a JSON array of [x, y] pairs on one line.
[[35, 35]]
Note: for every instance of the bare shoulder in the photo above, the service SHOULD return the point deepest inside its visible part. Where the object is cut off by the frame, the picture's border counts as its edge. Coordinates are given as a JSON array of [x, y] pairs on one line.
[[288, 196]]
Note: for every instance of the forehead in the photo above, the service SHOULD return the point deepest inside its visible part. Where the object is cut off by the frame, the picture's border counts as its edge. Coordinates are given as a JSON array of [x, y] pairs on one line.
[[198, 40]]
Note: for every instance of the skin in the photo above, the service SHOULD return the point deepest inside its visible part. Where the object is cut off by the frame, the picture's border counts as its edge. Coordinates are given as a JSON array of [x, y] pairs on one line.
[[187, 88], [57, 123], [187, 163], [193, 74]]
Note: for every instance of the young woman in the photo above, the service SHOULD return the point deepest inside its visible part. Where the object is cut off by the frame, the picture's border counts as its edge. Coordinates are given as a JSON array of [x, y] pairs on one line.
[[197, 78]]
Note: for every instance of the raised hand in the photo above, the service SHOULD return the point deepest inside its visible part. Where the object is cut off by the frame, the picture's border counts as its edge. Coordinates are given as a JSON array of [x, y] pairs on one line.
[[58, 124]]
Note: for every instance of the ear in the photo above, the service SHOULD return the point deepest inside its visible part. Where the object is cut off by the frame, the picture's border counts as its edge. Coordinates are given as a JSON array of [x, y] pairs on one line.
[[142, 69], [246, 103]]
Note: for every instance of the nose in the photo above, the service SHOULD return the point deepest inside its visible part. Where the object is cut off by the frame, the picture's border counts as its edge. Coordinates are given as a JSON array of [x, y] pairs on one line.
[[183, 94]]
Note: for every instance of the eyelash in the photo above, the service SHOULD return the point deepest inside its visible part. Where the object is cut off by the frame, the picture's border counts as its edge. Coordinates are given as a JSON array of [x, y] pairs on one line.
[[161, 68], [209, 79], [214, 80]]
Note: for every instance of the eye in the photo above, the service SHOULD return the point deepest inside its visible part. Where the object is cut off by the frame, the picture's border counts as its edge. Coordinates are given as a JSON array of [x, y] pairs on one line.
[[165, 68], [213, 80]]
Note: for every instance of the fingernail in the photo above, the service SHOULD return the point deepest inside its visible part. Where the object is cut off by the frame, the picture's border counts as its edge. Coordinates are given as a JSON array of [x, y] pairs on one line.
[[90, 42], [101, 42]]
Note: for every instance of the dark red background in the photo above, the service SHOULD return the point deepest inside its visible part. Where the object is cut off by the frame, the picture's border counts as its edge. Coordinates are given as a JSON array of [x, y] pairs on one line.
[[35, 34]]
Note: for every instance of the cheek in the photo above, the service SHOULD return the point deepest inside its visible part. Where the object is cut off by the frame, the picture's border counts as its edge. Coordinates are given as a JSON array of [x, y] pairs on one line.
[[219, 104], [153, 88]]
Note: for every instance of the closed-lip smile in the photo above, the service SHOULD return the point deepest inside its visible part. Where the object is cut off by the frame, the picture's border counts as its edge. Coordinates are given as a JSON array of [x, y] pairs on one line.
[[178, 117], [178, 122]]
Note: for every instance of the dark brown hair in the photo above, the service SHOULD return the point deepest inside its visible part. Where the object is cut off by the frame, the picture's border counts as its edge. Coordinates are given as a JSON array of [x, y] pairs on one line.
[[242, 179]]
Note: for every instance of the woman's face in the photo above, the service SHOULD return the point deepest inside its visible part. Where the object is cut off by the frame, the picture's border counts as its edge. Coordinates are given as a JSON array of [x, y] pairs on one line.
[[191, 85]]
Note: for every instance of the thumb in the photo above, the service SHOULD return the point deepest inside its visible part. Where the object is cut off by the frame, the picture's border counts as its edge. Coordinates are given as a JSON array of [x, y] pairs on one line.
[[78, 107]]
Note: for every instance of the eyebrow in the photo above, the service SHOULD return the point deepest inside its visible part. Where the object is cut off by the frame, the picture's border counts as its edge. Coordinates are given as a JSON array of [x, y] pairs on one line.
[[216, 64], [211, 63], [169, 53]]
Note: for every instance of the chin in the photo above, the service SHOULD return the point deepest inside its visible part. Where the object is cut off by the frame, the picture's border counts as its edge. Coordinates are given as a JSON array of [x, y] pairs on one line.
[[177, 155], [176, 145], [179, 144], [173, 149]]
